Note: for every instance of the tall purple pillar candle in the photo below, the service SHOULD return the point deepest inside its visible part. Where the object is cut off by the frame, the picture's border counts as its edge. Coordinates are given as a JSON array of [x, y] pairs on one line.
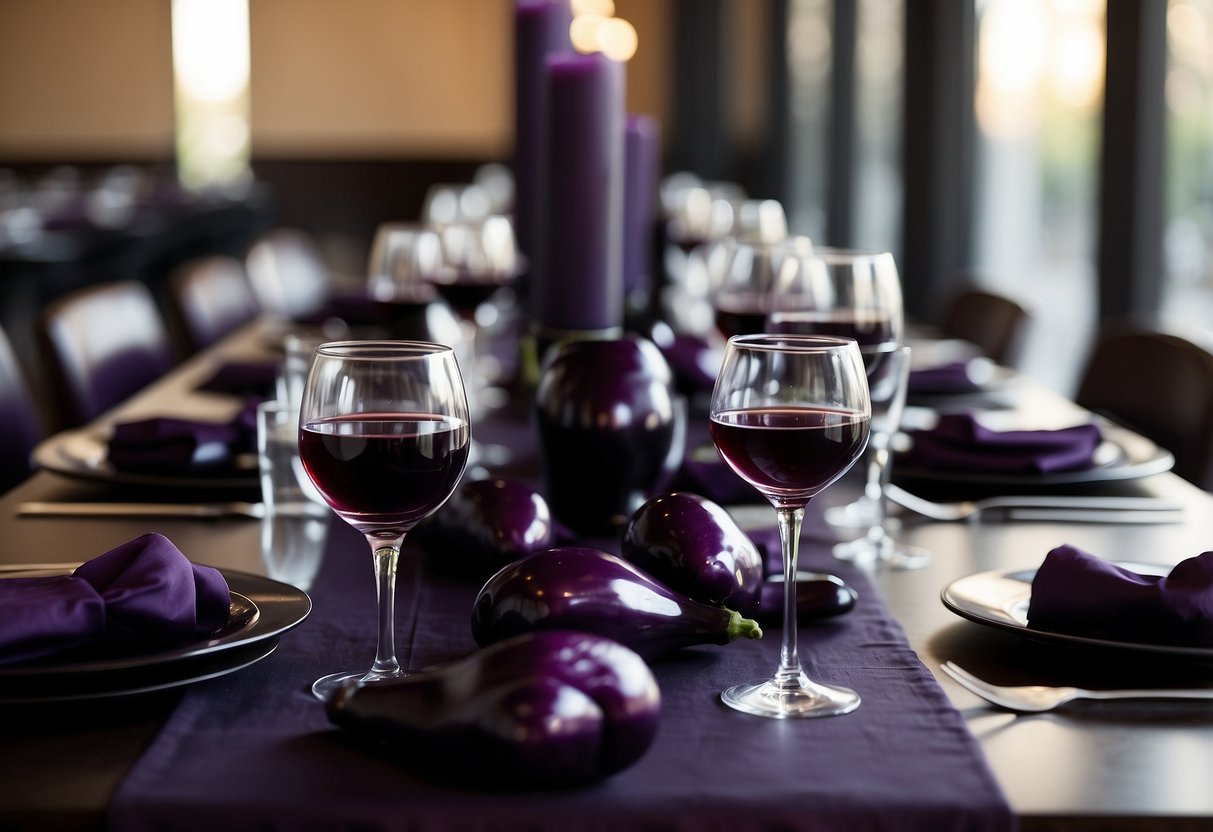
[[541, 28], [580, 291], [642, 166]]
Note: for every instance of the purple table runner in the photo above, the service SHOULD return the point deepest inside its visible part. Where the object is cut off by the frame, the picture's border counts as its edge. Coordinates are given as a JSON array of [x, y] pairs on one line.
[[255, 751]]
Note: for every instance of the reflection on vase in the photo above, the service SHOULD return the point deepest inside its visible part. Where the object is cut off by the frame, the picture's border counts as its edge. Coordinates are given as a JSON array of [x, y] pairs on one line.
[[611, 430]]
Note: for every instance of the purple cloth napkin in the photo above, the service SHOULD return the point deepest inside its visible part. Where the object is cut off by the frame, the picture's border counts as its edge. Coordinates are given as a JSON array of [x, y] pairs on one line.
[[243, 378], [953, 377], [173, 445], [254, 750], [1079, 594], [960, 443], [144, 592]]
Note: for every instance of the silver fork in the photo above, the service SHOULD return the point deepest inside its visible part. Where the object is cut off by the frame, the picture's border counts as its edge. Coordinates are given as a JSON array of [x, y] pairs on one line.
[[1077, 507], [1037, 698]]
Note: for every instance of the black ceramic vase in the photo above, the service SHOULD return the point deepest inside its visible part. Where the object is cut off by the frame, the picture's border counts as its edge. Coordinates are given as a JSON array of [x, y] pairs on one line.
[[611, 430]]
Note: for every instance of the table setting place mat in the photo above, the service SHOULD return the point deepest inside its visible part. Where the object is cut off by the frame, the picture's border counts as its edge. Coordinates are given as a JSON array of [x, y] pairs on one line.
[[256, 751]]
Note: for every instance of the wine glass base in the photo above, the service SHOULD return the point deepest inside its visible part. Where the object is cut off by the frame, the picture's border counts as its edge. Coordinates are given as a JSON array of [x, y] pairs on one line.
[[777, 701], [860, 514], [885, 553], [326, 686]]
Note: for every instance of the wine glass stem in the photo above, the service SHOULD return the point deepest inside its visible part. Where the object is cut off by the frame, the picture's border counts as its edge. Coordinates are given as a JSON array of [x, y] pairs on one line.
[[789, 673], [878, 478], [386, 554]]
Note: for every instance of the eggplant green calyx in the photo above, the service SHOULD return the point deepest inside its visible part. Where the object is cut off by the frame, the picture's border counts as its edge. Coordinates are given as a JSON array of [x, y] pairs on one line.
[[742, 627]]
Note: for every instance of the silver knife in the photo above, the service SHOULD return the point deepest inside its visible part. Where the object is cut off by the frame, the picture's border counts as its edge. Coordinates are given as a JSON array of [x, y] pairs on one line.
[[202, 510]]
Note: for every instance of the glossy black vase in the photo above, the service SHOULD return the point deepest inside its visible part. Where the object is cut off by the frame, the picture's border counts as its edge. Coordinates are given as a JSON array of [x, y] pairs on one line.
[[611, 429]]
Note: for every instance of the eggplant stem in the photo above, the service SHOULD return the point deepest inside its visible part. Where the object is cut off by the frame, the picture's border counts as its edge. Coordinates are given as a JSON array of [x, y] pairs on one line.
[[740, 627]]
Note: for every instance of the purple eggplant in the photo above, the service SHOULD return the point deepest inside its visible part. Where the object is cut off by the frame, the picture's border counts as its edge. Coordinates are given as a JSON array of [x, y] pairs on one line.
[[485, 525], [579, 588], [556, 708], [694, 546], [818, 595]]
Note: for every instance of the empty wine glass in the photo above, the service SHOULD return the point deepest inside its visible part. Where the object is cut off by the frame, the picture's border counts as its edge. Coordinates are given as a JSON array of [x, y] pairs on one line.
[[790, 415], [856, 294], [384, 435]]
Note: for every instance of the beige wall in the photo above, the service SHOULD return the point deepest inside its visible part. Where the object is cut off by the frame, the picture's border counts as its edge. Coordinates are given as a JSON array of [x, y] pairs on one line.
[[86, 79]]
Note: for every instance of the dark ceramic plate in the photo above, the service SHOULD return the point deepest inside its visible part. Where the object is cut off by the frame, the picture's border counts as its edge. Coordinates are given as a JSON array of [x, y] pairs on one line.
[[1000, 599], [1122, 455], [262, 610], [81, 454]]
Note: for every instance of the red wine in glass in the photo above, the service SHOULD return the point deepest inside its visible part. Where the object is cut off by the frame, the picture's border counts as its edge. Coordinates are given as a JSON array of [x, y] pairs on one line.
[[867, 329], [465, 290], [790, 452], [377, 469], [741, 314]]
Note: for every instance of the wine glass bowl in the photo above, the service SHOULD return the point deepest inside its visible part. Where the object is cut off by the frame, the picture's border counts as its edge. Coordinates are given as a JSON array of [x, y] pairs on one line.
[[478, 258], [384, 435], [743, 273], [790, 414]]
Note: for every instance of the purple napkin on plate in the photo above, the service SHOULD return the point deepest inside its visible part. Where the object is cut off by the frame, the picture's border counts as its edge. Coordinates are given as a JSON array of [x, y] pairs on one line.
[[243, 378], [960, 443], [952, 377], [144, 592], [169, 444], [1079, 594]]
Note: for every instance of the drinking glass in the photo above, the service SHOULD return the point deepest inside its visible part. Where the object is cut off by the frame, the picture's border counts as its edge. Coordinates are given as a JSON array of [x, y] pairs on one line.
[[790, 415], [743, 274], [384, 435], [877, 546], [856, 294], [402, 255]]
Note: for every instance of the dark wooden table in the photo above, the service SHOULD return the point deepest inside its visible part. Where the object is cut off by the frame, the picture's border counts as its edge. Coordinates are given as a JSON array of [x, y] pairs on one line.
[[1120, 766]]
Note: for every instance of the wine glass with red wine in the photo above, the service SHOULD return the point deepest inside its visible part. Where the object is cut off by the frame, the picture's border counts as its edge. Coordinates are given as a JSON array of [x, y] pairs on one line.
[[857, 294], [384, 435], [743, 272], [790, 415]]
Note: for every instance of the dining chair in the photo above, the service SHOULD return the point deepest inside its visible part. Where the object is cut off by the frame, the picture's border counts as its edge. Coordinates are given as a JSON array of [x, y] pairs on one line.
[[995, 323], [99, 345], [19, 417], [207, 298], [1160, 384], [288, 275]]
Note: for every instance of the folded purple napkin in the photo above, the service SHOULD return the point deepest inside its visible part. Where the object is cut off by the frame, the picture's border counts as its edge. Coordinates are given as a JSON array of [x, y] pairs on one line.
[[953, 377], [142, 593], [960, 443], [172, 445], [1079, 594], [243, 378]]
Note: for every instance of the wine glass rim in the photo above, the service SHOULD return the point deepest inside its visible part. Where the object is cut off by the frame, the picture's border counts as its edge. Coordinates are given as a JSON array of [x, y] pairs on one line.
[[832, 254], [382, 350], [779, 342]]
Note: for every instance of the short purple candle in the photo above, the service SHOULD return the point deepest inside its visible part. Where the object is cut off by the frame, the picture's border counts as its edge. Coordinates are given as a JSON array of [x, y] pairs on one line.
[[541, 28], [642, 166], [580, 289]]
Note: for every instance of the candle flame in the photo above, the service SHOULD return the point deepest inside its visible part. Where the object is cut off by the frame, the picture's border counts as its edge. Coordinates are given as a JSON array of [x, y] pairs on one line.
[[602, 8], [614, 37], [584, 32], [617, 39]]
